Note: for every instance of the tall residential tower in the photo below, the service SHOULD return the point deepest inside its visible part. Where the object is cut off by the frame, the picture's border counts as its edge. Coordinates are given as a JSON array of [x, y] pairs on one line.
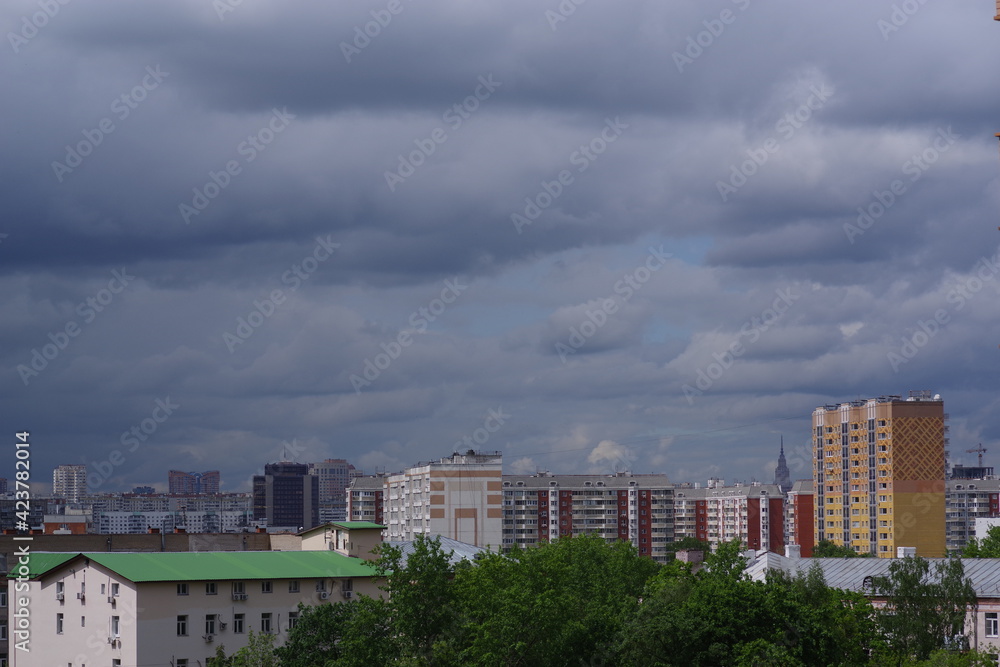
[[878, 474]]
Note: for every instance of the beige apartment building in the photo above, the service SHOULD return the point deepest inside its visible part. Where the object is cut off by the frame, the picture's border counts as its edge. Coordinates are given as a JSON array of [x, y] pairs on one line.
[[126, 609], [752, 513], [879, 474], [458, 496]]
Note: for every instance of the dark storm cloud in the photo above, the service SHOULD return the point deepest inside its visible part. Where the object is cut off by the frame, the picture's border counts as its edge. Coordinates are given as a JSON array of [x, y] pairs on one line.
[[292, 197]]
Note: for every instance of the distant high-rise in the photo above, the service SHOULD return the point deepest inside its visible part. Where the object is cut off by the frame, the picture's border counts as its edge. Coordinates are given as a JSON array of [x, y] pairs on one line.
[[782, 476], [70, 482], [334, 477], [286, 495], [879, 474], [194, 482]]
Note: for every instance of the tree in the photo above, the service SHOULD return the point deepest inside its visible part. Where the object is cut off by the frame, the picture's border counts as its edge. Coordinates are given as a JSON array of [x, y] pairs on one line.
[[259, 652], [923, 612], [318, 635], [560, 603], [988, 547], [691, 543]]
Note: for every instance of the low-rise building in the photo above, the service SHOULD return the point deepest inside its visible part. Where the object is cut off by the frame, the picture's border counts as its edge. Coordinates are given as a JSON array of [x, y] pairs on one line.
[[99, 608]]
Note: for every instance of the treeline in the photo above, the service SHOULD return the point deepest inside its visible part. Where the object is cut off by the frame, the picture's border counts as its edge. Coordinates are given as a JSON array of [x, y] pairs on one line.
[[581, 601]]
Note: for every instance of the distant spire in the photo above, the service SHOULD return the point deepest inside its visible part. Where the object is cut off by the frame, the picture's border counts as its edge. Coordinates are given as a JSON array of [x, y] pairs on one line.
[[782, 476]]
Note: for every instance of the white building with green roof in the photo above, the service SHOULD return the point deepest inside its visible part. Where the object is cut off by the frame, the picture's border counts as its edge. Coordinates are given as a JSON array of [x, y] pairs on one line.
[[169, 609]]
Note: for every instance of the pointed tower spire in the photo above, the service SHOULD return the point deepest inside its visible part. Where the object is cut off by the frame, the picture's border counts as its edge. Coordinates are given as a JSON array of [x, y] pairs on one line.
[[782, 476]]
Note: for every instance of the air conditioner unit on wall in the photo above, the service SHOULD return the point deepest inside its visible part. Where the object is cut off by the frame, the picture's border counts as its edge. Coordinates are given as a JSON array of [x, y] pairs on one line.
[[323, 595]]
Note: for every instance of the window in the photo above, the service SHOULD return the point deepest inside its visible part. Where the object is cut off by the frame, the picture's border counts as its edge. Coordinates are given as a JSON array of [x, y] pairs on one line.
[[115, 588], [265, 587], [293, 586], [182, 662], [3, 630], [238, 587], [116, 626], [115, 662], [210, 624], [293, 618], [59, 624], [182, 626], [992, 624], [3, 597], [60, 590], [83, 621], [182, 589], [265, 622], [210, 588]]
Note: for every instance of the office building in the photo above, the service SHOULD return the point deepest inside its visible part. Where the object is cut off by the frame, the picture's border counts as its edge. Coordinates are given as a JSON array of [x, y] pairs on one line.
[[879, 474], [70, 482], [286, 496], [459, 496], [782, 475], [193, 482], [334, 476], [635, 508]]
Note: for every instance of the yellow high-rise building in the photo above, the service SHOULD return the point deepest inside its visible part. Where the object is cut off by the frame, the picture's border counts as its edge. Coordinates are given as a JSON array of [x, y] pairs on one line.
[[879, 474]]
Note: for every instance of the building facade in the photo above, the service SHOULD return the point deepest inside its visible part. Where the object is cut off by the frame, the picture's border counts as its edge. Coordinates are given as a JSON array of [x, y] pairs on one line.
[[194, 482], [634, 508], [172, 608], [800, 517], [751, 513], [69, 482], [459, 496], [334, 477], [879, 474], [967, 500], [286, 496], [365, 496], [117, 523]]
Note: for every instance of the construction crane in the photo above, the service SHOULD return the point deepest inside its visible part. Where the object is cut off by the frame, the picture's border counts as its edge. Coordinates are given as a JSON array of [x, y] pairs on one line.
[[980, 449]]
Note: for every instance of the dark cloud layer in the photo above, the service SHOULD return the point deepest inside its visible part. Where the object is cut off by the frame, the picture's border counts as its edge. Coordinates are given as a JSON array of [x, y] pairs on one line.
[[366, 243]]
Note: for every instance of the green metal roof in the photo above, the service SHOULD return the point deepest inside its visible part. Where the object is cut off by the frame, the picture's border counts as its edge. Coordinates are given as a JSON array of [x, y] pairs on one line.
[[38, 563], [218, 565], [357, 525]]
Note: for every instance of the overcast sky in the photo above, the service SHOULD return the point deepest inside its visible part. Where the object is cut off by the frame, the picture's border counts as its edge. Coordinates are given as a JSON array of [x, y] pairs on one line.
[[595, 236]]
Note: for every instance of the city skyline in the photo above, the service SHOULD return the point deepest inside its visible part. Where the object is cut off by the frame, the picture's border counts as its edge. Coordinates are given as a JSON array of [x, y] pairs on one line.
[[643, 235]]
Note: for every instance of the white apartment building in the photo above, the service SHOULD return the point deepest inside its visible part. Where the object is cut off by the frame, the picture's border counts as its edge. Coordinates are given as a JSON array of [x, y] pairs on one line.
[[458, 496], [752, 513], [635, 508], [69, 482], [117, 523], [125, 609]]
